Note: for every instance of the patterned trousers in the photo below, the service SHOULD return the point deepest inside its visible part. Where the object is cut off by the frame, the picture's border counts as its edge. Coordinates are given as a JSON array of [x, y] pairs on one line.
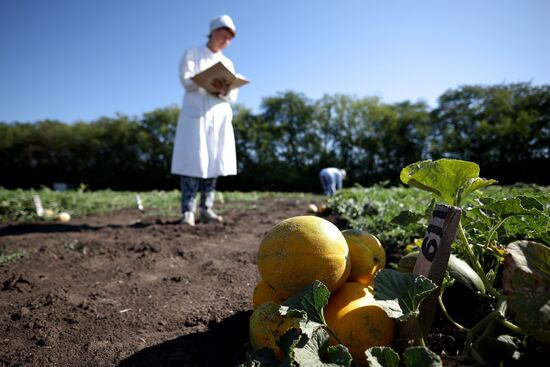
[[190, 186]]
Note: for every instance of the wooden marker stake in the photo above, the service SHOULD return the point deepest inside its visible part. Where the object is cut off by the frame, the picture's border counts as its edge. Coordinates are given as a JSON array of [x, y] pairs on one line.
[[432, 262], [139, 203], [38, 205]]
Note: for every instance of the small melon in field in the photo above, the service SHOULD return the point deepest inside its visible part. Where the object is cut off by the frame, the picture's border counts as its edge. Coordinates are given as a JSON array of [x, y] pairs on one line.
[[64, 216], [267, 326], [353, 315], [49, 213], [313, 208], [264, 293], [367, 255], [300, 250]]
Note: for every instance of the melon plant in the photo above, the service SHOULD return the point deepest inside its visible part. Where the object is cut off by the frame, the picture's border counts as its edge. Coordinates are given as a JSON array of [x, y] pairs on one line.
[[516, 330]]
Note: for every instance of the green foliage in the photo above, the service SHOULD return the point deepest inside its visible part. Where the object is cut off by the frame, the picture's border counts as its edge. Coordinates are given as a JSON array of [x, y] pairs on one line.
[[6, 257], [311, 344], [371, 140], [502, 127], [420, 356], [448, 179], [311, 300], [503, 350], [118, 153], [412, 357], [382, 357], [18, 205], [318, 351], [376, 209], [451, 181], [531, 212], [282, 148], [400, 294], [492, 217]]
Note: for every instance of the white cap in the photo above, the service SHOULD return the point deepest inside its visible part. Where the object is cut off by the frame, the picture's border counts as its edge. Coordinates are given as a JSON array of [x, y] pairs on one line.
[[223, 21]]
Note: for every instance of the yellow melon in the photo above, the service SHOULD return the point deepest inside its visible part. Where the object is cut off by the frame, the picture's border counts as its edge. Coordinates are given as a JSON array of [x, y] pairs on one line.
[[353, 315], [64, 217], [267, 326], [366, 254], [264, 293], [301, 249]]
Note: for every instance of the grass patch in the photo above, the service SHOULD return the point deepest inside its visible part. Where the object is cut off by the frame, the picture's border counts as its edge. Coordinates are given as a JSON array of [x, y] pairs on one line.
[[76, 246], [8, 257], [247, 200], [18, 205]]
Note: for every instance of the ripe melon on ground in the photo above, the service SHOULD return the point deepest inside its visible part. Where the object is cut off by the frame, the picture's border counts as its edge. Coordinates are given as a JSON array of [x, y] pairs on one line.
[[267, 326], [353, 315], [264, 293], [367, 255], [300, 250], [64, 217]]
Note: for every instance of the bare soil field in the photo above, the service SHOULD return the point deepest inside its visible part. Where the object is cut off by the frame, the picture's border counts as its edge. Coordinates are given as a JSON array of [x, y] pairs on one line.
[[125, 290]]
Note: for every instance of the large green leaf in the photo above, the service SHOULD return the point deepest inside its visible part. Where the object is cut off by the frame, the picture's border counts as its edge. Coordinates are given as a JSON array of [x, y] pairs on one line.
[[406, 217], [526, 281], [521, 205], [264, 357], [319, 352], [400, 294], [531, 227], [449, 179], [311, 300], [382, 357], [504, 350], [475, 184], [421, 357]]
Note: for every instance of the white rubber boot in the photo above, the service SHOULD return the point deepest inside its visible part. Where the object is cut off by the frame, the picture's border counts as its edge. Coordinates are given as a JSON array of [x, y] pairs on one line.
[[208, 215], [188, 218]]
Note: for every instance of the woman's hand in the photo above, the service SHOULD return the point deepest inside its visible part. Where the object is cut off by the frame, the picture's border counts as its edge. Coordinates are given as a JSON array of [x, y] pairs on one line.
[[221, 86]]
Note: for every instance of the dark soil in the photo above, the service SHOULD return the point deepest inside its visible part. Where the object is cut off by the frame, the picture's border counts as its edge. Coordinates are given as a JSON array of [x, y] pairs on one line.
[[125, 289]]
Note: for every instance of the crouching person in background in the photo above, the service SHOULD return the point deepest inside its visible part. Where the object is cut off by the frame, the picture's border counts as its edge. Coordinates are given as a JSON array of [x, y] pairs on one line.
[[331, 180]]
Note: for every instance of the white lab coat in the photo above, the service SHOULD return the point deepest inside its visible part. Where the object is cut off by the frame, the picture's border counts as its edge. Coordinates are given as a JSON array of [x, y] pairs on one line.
[[204, 145]]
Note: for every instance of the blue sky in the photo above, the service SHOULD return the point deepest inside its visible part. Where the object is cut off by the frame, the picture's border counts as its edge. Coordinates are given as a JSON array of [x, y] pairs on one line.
[[78, 60]]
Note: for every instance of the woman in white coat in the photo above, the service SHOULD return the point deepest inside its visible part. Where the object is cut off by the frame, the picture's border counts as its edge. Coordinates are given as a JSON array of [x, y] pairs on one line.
[[204, 146]]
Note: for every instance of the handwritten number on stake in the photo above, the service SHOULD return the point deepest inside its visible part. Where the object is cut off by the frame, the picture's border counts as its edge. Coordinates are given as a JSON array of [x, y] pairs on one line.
[[429, 248], [430, 243]]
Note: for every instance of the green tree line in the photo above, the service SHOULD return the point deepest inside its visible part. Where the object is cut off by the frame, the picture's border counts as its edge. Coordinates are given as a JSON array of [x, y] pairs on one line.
[[504, 128]]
